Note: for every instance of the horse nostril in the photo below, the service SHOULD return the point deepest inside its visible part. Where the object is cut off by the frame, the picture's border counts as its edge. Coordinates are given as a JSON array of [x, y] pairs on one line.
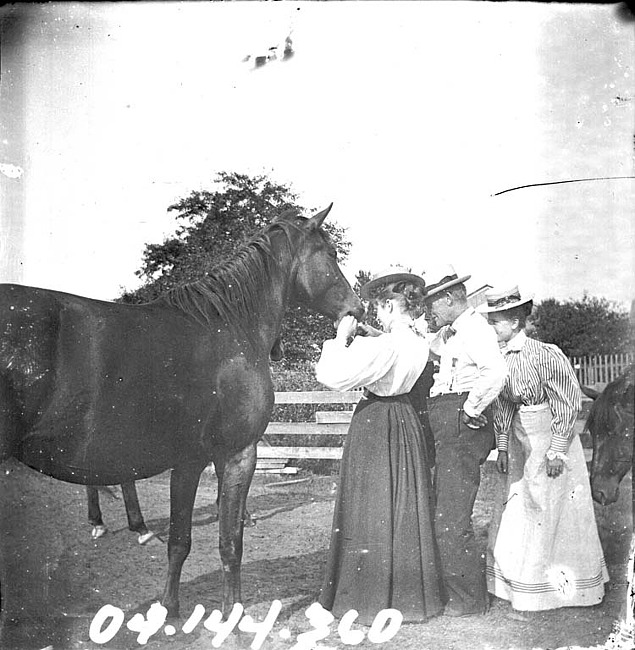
[[598, 496], [601, 497]]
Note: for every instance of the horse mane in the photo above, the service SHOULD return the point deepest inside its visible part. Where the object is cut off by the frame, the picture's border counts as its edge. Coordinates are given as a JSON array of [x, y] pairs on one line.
[[619, 391], [232, 289]]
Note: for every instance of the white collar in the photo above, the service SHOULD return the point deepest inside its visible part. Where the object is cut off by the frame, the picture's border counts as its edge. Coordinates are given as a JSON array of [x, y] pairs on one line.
[[517, 343], [400, 324], [462, 317]]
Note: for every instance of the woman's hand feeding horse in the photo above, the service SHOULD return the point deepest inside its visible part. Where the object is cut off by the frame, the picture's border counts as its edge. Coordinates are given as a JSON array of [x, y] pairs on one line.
[[100, 393]]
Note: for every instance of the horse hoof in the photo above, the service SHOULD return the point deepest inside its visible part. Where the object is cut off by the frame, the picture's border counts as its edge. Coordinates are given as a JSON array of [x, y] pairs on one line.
[[146, 537], [98, 531]]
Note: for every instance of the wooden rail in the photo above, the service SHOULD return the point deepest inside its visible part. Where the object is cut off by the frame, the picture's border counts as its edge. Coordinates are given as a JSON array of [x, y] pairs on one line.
[[273, 458]]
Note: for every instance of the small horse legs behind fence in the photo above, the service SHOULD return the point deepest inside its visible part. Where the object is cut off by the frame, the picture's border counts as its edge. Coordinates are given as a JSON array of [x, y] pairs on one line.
[[136, 522]]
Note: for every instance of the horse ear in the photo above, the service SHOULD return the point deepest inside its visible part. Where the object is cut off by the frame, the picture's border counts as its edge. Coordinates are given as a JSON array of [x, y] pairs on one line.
[[277, 350], [590, 392], [316, 221]]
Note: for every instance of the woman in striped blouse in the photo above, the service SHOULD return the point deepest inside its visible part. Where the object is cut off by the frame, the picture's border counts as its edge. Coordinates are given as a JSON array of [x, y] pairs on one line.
[[544, 550]]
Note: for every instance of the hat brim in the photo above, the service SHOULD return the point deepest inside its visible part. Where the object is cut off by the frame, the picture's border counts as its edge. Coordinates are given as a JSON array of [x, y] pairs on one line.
[[486, 309], [364, 292], [443, 287]]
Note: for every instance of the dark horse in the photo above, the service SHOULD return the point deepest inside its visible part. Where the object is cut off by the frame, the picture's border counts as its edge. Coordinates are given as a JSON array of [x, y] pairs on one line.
[[100, 393], [136, 522], [610, 423]]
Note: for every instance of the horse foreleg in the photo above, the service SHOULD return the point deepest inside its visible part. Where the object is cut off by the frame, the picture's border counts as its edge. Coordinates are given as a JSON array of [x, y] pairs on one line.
[[219, 467], [136, 522], [183, 485], [94, 513], [237, 474]]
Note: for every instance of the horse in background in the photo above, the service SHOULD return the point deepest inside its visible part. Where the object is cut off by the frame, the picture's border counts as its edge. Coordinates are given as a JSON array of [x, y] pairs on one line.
[[136, 522], [610, 423], [100, 393]]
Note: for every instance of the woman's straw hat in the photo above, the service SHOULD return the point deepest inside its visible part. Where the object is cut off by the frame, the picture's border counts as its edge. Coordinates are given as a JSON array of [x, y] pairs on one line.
[[504, 299], [444, 277], [388, 276]]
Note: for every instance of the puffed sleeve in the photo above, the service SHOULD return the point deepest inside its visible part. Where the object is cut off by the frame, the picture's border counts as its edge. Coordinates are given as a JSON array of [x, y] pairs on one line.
[[492, 370], [363, 362], [563, 394]]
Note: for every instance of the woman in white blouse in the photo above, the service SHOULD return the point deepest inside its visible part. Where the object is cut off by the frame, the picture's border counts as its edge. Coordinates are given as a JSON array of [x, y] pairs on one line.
[[543, 551], [383, 551]]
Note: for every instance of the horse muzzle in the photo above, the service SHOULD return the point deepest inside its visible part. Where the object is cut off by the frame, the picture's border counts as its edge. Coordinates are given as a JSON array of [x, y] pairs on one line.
[[605, 494], [359, 314]]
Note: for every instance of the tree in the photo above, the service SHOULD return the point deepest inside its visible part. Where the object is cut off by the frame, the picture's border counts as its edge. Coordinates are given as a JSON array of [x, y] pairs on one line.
[[212, 225], [583, 327], [361, 278]]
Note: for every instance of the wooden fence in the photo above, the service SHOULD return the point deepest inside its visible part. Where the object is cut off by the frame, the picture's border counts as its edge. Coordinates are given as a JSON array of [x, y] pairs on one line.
[[274, 458], [595, 371], [600, 369]]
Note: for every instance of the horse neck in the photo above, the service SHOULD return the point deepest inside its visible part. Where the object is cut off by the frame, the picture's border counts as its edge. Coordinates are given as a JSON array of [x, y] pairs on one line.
[[252, 291], [275, 293]]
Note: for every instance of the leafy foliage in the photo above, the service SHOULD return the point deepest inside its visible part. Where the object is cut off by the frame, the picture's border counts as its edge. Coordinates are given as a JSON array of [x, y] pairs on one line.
[[212, 225], [583, 327], [361, 278]]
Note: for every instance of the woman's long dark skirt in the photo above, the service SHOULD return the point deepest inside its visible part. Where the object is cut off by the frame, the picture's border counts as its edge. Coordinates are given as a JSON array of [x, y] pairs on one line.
[[383, 550]]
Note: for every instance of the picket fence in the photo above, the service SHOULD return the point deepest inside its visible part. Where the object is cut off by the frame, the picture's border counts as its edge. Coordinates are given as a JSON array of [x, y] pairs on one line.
[[601, 369]]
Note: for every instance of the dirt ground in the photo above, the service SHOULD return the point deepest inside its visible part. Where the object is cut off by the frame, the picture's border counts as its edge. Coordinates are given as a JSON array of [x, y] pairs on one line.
[[56, 578]]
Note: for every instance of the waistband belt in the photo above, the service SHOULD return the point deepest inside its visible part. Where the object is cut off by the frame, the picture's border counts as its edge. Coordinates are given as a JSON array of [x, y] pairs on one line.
[[368, 395], [448, 396], [529, 408]]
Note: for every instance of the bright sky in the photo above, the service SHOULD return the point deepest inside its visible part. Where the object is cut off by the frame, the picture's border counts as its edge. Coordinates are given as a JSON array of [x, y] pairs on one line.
[[408, 116]]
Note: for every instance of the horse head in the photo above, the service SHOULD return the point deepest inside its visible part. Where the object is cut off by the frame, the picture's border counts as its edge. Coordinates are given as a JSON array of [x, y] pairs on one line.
[[610, 423], [317, 278]]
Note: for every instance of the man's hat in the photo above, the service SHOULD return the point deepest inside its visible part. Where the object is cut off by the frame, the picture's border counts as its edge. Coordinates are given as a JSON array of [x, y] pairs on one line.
[[504, 299], [444, 278], [388, 276]]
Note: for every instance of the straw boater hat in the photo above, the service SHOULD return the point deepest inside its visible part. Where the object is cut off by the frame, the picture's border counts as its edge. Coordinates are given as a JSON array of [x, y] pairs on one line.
[[388, 276], [441, 279], [504, 299]]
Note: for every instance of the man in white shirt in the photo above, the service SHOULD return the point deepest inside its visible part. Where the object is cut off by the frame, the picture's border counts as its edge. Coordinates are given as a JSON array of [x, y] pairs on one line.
[[471, 374]]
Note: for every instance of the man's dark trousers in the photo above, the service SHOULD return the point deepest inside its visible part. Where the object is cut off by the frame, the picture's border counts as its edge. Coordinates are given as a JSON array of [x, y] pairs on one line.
[[460, 452]]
